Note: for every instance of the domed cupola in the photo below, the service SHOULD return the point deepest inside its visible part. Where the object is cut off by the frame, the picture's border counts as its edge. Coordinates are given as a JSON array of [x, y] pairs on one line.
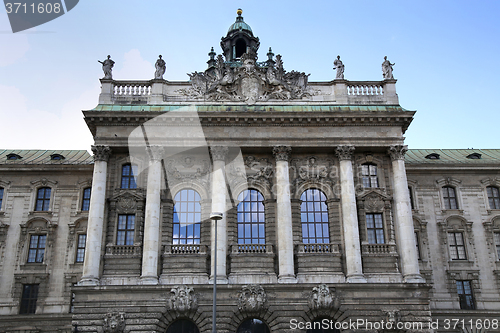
[[238, 39]]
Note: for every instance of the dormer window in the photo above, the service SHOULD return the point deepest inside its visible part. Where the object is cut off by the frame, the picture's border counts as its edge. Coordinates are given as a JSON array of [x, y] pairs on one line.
[[12, 157], [56, 157], [432, 156], [474, 156]]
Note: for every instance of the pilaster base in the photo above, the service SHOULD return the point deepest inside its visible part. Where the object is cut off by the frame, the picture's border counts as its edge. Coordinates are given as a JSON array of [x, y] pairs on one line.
[[88, 282], [149, 280], [356, 278], [413, 278], [220, 280], [287, 279]]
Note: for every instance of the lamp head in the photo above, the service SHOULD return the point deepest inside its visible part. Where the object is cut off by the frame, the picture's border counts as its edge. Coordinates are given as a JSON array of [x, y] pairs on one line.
[[216, 216]]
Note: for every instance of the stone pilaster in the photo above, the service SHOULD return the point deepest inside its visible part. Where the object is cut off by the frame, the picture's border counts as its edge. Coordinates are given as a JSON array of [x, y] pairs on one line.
[[405, 237], [354, 268], [219, 191], [91, 264], [151, 244], [284, 216]]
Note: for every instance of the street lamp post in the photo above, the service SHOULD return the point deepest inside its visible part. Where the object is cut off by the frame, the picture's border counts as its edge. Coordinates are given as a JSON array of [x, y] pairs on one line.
[[216, 216]]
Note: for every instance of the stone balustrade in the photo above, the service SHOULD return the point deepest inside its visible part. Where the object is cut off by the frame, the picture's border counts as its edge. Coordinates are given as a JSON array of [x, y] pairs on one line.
[[123, 250], [318, 248], [363, 88], [131, 88], [185, 249], [252, 248], [378, 248]]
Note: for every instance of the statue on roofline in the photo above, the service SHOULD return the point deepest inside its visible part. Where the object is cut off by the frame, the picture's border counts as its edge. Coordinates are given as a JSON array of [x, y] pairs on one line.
[[161, 67], [339, 66], [387, 69], [107, 68]]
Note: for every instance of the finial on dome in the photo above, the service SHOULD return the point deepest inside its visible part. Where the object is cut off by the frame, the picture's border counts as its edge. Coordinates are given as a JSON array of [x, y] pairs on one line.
[[239, 11]]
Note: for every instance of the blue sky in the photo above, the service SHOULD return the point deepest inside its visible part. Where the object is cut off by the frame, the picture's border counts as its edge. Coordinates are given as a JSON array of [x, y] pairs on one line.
[[446, 55]]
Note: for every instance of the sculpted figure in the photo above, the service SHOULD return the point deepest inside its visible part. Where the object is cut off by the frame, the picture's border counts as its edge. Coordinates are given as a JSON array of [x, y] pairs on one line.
[[107, 67], [387, 69], [339, 66], [321, 298], [161, 67], [114, 322], [182, 299]]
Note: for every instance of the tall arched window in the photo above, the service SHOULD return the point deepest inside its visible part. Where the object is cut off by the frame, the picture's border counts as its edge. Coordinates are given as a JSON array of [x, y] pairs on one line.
[[183, 326], [251, 218], [253, 325], [369, 173], [187, 218], [314, 217], [129, 172]]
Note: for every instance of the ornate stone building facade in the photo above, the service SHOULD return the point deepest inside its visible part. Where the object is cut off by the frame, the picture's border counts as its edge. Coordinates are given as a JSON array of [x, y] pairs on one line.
[[328, 219]]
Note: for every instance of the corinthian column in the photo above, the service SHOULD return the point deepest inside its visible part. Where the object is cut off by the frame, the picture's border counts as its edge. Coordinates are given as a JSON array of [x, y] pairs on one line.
[[151, 245], [284, 216], [405, 236], [219, 191], [91, 264], [349, 216]]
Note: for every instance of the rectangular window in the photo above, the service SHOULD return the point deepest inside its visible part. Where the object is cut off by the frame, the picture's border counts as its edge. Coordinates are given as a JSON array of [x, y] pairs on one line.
[[493, 197], [412, 205], [369, 173], [450, 198], [457, 246], [128, 176], [497, 243], [86, 199], [375, 228], [464, 291], [80, 247], [126, 229], [28, 299], [36, 251], [417, 244], [1, 197], [43, 199]]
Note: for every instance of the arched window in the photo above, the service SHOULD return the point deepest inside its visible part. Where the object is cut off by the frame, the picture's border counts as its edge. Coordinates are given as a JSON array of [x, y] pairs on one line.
[[449, 198], [251, 219], [183, 326], [187, 218], [240, 47], [42, 199], [253, 325], [369, 173], [86, 199], [323, 325], [314, 217], [129, 172], [493, 197]]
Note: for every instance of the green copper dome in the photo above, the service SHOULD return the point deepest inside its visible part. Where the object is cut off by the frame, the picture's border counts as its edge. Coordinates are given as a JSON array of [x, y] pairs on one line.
[[239, 24]]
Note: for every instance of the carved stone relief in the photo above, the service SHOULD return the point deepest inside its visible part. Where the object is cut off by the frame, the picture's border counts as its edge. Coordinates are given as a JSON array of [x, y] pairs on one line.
[[114, 322], [321, 298], [182, 299], [187, 168], [252, 298], [313, 170]]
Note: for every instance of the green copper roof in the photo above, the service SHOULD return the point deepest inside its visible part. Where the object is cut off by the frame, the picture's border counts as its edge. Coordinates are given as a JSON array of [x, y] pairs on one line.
[[45, 156], [251, 108], [453, 156], [239, 25]]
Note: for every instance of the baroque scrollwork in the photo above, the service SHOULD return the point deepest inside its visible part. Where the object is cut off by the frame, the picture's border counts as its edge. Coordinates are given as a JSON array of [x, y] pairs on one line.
[[248, 81], [192, 169], [313, 170], [321, 298], [252, 298], [114, 322], [182, 299], [259, 170]]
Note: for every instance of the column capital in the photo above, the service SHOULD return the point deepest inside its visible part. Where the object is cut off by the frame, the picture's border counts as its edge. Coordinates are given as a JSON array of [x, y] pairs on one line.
[[101, 152], [397, 152], [344, 152], [219, 153], [155, 152], [282, 153]]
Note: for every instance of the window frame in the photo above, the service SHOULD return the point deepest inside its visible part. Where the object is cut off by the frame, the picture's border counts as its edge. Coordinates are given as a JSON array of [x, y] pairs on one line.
[[370, 179], [375, 228], [323, 212], [494, 198], [466, 300], [37, 249], [456, 246], [27, 305], [126, 231], [45, 202], [182, 207], [2, 193], [128, 179], [80, 249], [86, 201], [447, 198], [245, 218]]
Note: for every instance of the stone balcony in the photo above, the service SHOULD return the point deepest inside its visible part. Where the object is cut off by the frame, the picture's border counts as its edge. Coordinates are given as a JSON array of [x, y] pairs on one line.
[[336, 92]]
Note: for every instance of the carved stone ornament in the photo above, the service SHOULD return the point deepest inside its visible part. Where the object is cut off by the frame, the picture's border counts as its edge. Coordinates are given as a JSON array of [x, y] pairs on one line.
[[101, 153], [192, 169], [219, 153], [114, 322], [313, 170], [282, 153], [373, 203], [344, 152], [259, 170], [397, 152], [155, 153], [126, 203], [182, 299], [248, 81], [321, 298], [392, 316], [252, 298]]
